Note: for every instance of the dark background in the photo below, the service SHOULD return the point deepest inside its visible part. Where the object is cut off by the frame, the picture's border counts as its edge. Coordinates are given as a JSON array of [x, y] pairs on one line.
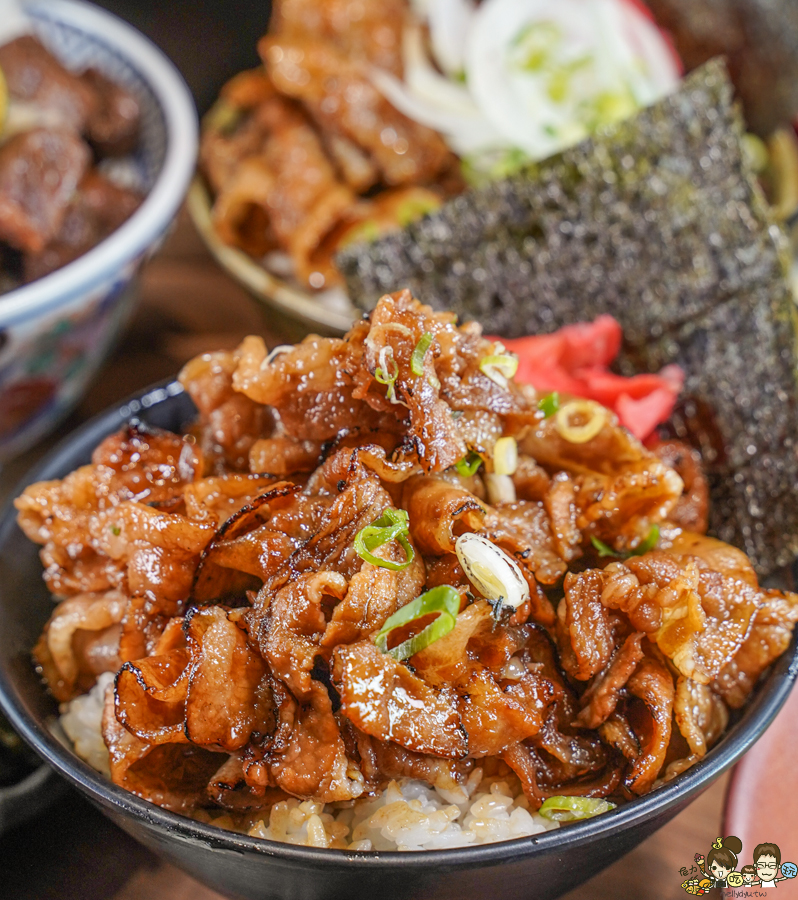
[[208, 40]]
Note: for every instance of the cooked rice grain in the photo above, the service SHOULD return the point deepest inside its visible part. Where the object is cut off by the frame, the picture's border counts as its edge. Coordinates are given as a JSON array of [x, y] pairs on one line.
[[408, 815], [81, 719]]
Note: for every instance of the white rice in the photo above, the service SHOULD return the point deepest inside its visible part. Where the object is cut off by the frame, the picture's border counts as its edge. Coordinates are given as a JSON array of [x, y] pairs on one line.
[[81, 720], [408, 815]]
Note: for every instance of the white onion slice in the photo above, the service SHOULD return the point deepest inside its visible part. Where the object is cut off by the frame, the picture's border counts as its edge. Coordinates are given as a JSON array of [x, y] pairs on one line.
[[434, 100], [661, 64], [275, 352], [465, 132], [494, 107], [492, 572], [426, 82], [616, 38], [449, 21], [14, 21]]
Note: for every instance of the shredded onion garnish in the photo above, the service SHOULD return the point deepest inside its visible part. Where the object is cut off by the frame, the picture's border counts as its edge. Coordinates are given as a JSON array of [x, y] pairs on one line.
[[277, 351], [417, 359], [505, 456], [500, 488], [468, 465], [648, 543], [568, 809], [595, 417], [443, 600], [549, 404], [492, 572], [387, 372], [392, 525], [500, 366]]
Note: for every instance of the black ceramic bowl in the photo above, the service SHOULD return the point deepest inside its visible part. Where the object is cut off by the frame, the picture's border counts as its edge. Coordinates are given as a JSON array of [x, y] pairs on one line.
[[543, 866]]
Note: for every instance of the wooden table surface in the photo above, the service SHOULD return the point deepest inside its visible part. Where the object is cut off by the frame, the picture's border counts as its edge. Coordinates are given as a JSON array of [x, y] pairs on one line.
[[188, 305]]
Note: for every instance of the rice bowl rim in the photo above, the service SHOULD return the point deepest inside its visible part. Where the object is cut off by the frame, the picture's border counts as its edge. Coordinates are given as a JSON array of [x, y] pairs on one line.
[[76, 448], [292, 300]]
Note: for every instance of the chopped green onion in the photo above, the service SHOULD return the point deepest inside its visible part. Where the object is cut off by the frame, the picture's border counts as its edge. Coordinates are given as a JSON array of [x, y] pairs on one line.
[[549, 404], [392, 525], [603, 549], [648, 543], [116, 530], [499, 367], [568, 809], [444, 600], [468, 465], [417, 359], [383, 376]]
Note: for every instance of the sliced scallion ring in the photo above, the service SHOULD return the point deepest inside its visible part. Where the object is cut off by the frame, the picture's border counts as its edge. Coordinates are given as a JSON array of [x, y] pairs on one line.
[[392, 525], [499, 367], [443, 600], [549, 404], [492, 572], [505, 456], [568, 809], [595, 417], [500, 488], [417, 359], [468, 465]]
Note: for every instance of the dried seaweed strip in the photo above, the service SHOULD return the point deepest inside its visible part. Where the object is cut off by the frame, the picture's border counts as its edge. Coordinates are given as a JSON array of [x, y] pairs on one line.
[[659, 222], [740, 361], [652, 219]]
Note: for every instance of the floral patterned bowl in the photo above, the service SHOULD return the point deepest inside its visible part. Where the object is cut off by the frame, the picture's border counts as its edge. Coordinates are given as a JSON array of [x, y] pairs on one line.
[[55, 332]]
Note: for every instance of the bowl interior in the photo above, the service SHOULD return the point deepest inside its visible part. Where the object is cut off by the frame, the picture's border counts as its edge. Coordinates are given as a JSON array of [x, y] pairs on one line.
[[78, 49], [25, 605], [82, 35]]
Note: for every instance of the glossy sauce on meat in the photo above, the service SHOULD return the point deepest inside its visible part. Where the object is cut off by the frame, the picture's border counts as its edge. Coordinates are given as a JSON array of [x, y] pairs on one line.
[[304, 155], [226, 576]]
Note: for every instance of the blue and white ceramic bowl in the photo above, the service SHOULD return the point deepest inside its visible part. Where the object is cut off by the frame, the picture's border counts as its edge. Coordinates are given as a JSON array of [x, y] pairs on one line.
[[55, 332]]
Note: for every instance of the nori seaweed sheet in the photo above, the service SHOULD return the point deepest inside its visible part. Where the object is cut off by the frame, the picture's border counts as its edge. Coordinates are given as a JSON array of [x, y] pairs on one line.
[[659, 222]]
